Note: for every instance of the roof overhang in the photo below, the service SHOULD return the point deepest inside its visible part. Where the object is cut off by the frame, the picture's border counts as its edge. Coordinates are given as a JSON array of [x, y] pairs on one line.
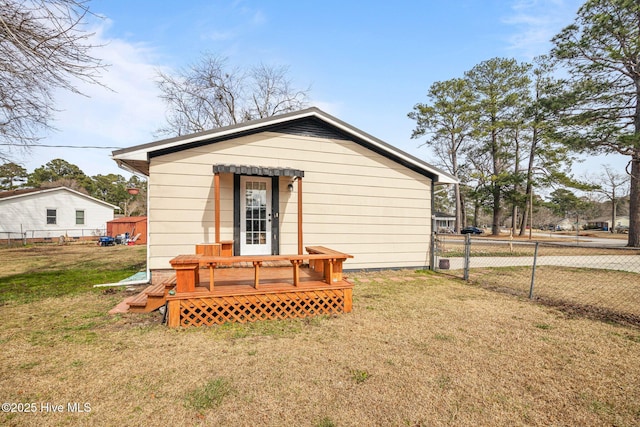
[[136, 159], [257, 170]]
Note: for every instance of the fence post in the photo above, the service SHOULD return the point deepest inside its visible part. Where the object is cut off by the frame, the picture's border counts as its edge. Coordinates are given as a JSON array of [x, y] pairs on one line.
[[467, 256], [432, 261], [533, 271]]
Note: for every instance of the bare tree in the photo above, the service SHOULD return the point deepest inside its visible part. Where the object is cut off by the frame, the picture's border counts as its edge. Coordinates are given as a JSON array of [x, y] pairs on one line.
[[613, 187], [273, 92], [43, 47], [211, 94]]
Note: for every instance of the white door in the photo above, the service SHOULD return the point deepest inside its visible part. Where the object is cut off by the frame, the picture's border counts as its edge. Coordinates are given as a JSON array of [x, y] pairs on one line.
[[255, 215]]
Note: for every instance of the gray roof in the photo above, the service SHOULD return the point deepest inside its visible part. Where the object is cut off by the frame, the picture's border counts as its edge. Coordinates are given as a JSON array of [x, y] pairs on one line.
[[25, 192], [136, 158]]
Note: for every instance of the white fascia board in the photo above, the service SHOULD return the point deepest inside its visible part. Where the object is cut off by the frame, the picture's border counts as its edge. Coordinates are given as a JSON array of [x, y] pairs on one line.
[[50, 190], [142, 153]]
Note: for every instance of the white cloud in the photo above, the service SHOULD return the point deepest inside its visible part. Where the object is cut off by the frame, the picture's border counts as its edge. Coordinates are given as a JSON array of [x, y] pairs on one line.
[[535, 23], [123, 116]]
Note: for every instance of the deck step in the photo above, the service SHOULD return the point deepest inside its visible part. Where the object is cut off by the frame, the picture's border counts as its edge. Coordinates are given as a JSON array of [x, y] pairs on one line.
[[152, 297], [121, 308], [156, 290], [149, 299], [139, 300]]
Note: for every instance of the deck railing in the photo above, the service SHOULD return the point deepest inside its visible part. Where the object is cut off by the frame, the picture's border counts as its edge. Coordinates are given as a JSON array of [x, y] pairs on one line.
[[321, 259]]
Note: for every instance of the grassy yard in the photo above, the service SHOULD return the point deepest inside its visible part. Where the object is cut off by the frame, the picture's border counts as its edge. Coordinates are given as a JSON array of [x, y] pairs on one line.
[[39, 271], [418, 350]]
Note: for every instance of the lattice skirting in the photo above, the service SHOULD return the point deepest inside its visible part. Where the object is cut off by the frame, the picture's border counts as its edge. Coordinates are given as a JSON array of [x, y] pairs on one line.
[[215, 310]]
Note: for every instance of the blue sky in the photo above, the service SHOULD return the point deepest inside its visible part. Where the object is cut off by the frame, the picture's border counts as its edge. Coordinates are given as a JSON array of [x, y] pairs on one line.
[[366, 62]]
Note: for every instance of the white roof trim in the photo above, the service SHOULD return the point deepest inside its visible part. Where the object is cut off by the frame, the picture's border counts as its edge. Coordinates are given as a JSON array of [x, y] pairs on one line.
[[141, 152], [49, 190]]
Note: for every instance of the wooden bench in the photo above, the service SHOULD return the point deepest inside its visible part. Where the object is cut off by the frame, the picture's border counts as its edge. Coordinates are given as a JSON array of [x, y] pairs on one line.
[[329, 267], [187, 266]]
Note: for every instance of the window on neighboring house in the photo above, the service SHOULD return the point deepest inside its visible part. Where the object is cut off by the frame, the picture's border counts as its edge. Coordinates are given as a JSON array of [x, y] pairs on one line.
[[79, 217], [52, 216]]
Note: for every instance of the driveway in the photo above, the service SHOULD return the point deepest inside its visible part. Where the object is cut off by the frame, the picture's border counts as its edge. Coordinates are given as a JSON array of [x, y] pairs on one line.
[[585, 241], [608, 262]]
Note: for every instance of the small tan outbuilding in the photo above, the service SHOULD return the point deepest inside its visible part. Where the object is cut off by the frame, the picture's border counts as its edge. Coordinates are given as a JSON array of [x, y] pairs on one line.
[[271, 186]]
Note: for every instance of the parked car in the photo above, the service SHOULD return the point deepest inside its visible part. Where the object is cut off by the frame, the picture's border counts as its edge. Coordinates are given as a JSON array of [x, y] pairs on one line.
[[622, 229], [472, 230]]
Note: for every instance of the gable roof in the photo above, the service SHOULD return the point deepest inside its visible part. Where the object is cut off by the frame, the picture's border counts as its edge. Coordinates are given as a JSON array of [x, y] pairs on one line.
[[25, 192], [308, 122]]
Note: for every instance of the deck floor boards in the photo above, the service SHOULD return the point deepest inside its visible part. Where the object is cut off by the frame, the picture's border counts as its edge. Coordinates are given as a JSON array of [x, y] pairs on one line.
[[239, 281]]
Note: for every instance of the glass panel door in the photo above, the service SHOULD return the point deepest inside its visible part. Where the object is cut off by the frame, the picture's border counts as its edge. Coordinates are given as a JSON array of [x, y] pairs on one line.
[[255, 216]]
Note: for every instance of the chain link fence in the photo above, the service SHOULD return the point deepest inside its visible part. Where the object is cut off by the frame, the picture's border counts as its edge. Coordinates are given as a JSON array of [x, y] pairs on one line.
[[601, 282], [17, 238]]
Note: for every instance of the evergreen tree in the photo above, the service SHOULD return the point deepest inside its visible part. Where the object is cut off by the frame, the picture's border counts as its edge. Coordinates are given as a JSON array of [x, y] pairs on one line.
[[501, 88], [12, 176], [447, 121], [600, 110]]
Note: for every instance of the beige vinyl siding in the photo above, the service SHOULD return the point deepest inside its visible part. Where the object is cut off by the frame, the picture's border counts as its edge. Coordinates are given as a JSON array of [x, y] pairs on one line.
[[355, 200]]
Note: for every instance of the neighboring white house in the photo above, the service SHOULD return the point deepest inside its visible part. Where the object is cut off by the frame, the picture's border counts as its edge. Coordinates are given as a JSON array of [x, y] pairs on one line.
[[360, 195], [445, 222], [622, 221], [52, 212]]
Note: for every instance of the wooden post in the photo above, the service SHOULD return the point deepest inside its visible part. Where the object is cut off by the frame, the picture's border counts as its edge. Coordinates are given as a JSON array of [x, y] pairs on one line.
[[296, 271], [256, 275], [216, 184], [212, 267], [300, 216], [328, 271], [348, 300], [173, 314], [187, 277]]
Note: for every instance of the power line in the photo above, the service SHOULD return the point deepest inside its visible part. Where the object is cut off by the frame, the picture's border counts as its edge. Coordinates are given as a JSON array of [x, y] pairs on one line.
[[65, 146]]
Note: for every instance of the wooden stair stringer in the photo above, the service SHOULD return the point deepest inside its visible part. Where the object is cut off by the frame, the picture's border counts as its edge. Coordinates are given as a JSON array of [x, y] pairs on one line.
[[152, 297]]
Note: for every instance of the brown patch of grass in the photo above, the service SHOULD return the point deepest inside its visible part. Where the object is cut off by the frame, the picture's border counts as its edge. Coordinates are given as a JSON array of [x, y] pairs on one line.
[[432, 351], [52, 257], [38, 272], [601, 294]]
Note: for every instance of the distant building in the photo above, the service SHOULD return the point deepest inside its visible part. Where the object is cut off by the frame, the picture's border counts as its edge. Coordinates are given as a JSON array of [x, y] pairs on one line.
[[136, 226], [569, 224], [445, 222], [47, 213]]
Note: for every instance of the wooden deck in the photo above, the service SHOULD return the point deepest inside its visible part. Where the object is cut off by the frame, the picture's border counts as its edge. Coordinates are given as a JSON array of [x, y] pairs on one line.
[[230, 295], [209, 290], [235, 298], [241, 279]]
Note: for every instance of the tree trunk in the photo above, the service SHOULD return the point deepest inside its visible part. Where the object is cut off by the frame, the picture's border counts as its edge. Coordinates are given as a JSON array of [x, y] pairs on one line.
[[458, 226], [476, 213], [454, 169], [497, 189], [532, 159], [497, 210], [634, 186], [613, 209], [463, 212], [634, 202]]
